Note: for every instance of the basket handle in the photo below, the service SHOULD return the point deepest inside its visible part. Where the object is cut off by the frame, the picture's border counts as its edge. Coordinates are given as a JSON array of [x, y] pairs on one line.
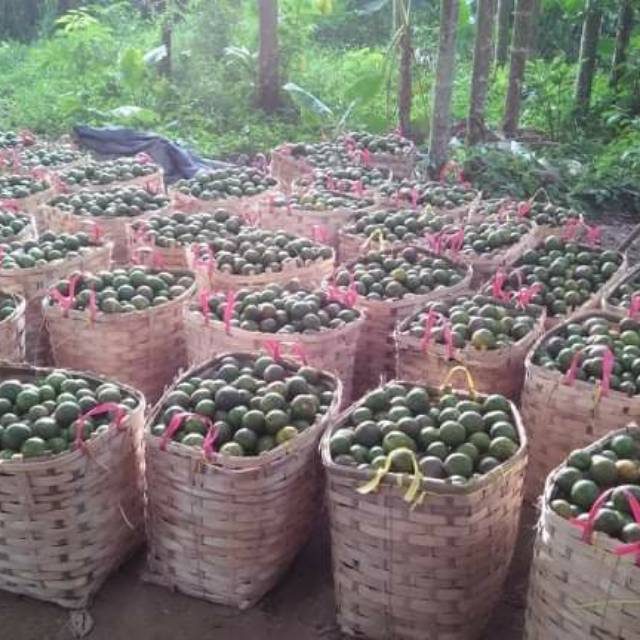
[[471, 385], [120, 414], [178, 419], [631, 547]]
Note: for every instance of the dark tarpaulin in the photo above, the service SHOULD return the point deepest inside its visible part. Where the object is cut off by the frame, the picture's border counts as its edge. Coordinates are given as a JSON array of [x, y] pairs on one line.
[[176, 161]]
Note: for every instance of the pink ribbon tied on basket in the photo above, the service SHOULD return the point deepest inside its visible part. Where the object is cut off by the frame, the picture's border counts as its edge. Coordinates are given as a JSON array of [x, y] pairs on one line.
[[39, 173], [570, 229], [10, 204], [229, 306], [634, 306], [204, 259], [65, 302], [330, 181], [97, 232], [320, 233], [119, 416], [274, 349], [16, 159], [58, 184], [141, 233], [608, 363], [184, 202], [594, 234], [251, 218], [572, 371], [523, 209], [432, 319], [177, 420], [4, 159], [588, 525], [497, 286], [358, 187], [156, 259], [447, 334], [365, 156], [524, 296], [153, 186], [434, 242], [631, 547], [27, 138], [203, 300], [271, 203], [143, 158], [455, 241], [414, 197]]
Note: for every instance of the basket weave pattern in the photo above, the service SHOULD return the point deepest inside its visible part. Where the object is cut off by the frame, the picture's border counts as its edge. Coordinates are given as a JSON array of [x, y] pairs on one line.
[[432, 572], [12, 336], [227, 529], [580, 591], [68, 521]]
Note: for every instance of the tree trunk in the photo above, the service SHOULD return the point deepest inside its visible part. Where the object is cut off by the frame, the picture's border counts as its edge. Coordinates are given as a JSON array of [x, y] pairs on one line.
[[483, 48], [268, 95], [404, 81], [519, 53], [588, 54], [535, 21], [623, 36], [445, 68], [505, 12], [167, 39]]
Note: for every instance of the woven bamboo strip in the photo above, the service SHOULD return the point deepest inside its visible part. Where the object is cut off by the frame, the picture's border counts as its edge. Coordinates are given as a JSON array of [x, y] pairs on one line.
[[226, 530], [12, 333], [431, 572], [68, 521], [580, 591]]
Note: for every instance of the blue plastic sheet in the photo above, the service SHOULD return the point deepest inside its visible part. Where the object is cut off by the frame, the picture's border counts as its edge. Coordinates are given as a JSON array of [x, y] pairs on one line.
[[176, 161]]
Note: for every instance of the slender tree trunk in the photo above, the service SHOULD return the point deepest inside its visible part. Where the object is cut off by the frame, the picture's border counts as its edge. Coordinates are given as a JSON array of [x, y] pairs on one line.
[[505, 12], [588, 54], [167, 40], [535, 21], [268, 95], [623, 36], [445, 68], [404, 81], [519, 53], [482, 56]]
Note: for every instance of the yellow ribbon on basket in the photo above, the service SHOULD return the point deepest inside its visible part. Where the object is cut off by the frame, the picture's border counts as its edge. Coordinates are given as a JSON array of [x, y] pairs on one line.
[[411, 495], [471, 385], [376, 235]]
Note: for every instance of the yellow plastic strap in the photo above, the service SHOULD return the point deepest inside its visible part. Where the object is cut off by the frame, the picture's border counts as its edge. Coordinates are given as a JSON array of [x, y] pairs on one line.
[[470, 382], [416, 481], [374, 483]]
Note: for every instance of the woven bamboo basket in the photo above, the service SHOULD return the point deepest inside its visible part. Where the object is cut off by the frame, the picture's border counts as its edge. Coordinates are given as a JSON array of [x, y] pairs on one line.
[[320, 226], [227, 529], [561, 417], [376, 352], [12, 338], [577, 590], [332, 350], [113, 228], [430, 571], [287, 169], [154, 180], [173, 258], [143, 348], [398, 165], [621, 277], [34, 284], [494, 371], [308, 275], [241, 206], [70, 520]]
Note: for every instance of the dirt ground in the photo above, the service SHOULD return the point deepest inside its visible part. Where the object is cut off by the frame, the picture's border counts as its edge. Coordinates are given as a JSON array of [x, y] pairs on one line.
[[300, 608]]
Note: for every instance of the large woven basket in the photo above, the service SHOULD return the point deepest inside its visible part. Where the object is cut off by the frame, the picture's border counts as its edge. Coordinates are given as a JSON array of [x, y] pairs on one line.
[[34, 284], [70, 520], [577, 590], [433, 570], [561, 417], [143, 348], [239, 205], [494, 371], [376, 354], [320, 226], [332, 350], [173, 258], [286, 169], [308, 275], [12, 338], [227, 529], [113, 228]]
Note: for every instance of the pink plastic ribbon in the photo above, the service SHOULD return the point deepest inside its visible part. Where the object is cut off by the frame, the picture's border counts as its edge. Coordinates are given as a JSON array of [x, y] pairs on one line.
[[66, 302], [455, 241], [16, 160], [229, 306], [430, 322], [299, 352], [447, 334], [97, 232], [434, 242], [27, 138], [118, 410], [153, 186], [320, 233], [252, 219], [631, 547], [608, 362], [524, 296], [594, 235], [59, 185], [588, 524], [523, 209], [366, 157], [497, 286], [203, 297], [634, 306], [572, 371], [273, 349], [178, 419], [39, 173], [570, 229], [358, 187], [414, 197], [143, 158], [10, 205]]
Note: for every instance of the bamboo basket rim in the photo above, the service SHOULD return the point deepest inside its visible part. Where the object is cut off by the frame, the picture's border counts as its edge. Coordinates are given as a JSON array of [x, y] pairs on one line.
[[108, 244], [468, 348], [194, 316], [605, 541], [629, 274], [235, 465], [439, 487], [98, 219], [27, 371], [120, 317], [21, 305], [555, 376], [95, 187]]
